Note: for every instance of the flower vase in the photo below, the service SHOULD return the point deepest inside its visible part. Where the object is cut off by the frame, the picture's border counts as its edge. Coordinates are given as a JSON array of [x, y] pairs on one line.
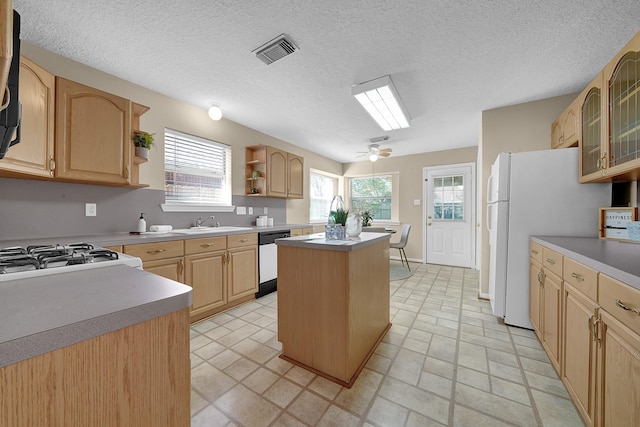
[[353, 226]]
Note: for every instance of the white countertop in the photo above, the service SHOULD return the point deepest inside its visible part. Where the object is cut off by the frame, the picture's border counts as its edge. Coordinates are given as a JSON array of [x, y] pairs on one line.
[[318, 241], [617, 259]]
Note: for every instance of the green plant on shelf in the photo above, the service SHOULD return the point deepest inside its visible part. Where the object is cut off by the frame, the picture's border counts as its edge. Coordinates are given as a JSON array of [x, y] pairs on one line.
[[143, 139]]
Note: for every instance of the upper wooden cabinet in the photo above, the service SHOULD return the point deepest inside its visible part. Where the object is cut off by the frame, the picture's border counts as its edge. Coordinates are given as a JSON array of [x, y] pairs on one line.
[[93, 134], [295, 178], [618, 156], [273, 173], [34, 154], [592, 133], [564, 131]]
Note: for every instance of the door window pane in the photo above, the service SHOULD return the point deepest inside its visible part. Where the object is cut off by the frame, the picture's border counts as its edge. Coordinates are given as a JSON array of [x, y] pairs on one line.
[[448, 198]]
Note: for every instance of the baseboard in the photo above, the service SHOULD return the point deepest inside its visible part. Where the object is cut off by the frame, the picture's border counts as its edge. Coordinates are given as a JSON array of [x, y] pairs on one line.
[[483, 296], [397, 258]]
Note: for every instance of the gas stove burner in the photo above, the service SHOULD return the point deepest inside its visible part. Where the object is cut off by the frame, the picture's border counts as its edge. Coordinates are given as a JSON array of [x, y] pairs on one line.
[[102, 253], [18, 262], [12, 251], [73, 258], [81, 246]]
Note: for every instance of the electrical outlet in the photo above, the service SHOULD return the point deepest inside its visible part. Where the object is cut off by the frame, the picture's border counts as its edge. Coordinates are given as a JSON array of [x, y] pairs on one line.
[[90, 209], [250, 210], [241, 210], [266, 210]]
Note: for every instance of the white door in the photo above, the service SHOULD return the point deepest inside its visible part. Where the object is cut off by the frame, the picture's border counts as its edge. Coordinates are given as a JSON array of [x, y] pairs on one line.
[[449, 215]]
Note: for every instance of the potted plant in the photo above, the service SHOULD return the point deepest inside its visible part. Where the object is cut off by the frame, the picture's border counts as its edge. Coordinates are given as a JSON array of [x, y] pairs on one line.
[[366, 218], [142, 141], [340, 216]]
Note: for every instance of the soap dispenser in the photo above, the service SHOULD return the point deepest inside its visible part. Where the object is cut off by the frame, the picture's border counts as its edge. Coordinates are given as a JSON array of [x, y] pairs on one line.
[[142, 224]]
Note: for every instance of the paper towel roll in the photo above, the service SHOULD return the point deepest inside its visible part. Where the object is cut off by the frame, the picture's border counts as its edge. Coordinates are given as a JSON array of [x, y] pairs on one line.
[[161, 228]]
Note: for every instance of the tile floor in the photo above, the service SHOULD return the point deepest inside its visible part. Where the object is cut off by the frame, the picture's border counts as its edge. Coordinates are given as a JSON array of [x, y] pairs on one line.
[[446, 361]]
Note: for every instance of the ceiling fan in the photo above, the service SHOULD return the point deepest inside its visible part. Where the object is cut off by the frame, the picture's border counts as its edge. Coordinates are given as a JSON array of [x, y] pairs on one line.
[[376, 152]]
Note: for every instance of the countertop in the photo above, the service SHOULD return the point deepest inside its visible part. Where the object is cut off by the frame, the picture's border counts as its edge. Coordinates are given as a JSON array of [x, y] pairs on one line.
[[43, 314], [124, 238], [318, 241], [617, 259]]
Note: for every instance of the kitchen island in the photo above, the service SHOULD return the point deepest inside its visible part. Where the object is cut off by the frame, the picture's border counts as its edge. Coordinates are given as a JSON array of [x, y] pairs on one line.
[[333, 302], [107, 346]]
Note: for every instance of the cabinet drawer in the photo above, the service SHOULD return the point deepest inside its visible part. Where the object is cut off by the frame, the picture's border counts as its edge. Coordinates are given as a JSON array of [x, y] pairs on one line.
[[535, 251], [237, 240], [610, 291], [552, 260], [158, 250], [581, 277], [206, 244]]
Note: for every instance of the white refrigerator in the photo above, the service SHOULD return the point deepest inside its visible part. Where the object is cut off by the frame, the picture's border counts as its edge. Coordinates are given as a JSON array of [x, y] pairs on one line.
[[528, 194]]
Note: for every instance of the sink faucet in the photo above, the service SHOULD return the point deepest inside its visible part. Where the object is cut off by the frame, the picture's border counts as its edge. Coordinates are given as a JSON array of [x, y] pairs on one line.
[[200, 221]]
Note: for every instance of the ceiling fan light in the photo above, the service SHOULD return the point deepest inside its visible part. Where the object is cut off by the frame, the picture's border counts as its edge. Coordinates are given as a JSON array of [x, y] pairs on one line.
[[373, 157], [380, 99], [215, 112]]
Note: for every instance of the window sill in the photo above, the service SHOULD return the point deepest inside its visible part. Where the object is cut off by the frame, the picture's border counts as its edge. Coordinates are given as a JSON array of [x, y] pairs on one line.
[[184, 207]]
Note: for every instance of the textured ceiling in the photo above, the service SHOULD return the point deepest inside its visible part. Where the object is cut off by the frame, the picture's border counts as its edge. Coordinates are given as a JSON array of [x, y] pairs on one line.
[[449, 59]]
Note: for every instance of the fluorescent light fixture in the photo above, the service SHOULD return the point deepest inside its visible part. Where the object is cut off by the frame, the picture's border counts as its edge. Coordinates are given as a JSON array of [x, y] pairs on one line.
[[380, 98], [215, 112]]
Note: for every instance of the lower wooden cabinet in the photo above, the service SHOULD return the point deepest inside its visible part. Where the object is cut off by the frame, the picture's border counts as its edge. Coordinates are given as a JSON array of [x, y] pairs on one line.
[[545, 289], [579, 351], [222, 270], [599, 340], [301, 231]]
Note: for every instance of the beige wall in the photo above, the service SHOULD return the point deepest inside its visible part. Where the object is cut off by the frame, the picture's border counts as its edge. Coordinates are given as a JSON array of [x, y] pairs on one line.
[[410, 186], [172, 113], [522, 127]]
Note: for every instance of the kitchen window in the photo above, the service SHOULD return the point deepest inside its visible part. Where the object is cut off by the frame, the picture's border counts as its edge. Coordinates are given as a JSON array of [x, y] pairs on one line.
[[197, 173], [322, 187], [374, 194]]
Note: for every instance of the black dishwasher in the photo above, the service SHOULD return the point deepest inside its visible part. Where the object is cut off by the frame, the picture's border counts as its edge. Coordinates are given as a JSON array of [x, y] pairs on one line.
[[268, 261]]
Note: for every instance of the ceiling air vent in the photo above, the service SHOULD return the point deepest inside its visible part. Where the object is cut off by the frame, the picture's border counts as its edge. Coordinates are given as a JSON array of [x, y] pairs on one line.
[[275, 49]]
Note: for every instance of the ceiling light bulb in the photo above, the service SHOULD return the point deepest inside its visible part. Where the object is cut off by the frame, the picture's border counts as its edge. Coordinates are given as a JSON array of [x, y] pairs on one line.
[[373, 157], [215, 112]]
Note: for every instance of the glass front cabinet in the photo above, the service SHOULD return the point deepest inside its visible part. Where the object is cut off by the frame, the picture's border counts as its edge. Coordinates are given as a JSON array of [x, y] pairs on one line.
[[617, 154]]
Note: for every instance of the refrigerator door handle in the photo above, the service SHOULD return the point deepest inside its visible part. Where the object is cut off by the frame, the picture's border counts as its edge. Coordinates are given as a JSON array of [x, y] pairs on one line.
[[488, 218], [489, 189]]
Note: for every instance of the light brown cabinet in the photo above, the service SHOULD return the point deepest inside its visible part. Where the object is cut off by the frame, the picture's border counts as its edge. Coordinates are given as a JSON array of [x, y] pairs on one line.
[[162, 258], [222, 270], [205, 272], [272, 172], [544, 305], [578, 345], [34, 154], [564, 131], [618, 155], [600, 345], [93, 134], [592, 133], [301, 231]]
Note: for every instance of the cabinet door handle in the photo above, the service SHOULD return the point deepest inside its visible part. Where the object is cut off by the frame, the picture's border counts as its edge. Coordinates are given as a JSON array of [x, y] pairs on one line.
[[541, 277], [624, 307], [590, 327], [181, 267], [243, 240], [595, 331], [551, 261], [206, 245], [52, 164], [157, 251], [126, 172], [578, 277], [533, 251]]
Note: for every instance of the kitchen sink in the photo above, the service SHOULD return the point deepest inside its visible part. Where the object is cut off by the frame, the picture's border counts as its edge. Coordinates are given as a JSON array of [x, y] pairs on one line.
[[205, 230]]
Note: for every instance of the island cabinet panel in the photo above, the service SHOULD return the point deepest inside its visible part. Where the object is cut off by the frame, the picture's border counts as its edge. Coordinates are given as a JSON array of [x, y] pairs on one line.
[[135, 376], [333, 307]]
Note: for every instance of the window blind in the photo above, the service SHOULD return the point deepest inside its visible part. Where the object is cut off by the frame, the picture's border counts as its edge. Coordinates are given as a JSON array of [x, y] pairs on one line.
[[197, 170]]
